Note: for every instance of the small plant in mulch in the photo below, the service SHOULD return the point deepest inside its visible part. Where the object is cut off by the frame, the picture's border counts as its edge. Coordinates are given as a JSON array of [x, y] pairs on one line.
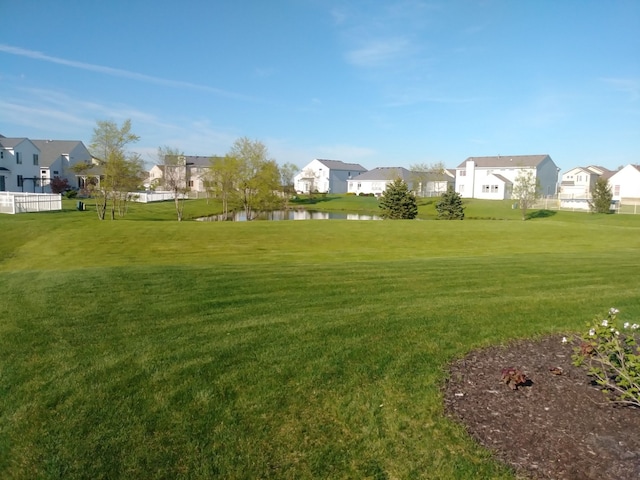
[[609, 350], [514, 378]]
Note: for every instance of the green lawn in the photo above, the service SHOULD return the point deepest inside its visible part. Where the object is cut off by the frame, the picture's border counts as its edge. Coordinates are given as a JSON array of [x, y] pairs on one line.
[[140, 348]]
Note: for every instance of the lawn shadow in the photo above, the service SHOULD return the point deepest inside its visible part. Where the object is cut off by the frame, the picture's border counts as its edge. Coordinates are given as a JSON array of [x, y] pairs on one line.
[[541, 214]]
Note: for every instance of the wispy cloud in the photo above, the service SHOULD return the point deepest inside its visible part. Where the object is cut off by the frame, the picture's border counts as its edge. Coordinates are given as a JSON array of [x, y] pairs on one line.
[[116, 72], [380, 52], [627, 85]]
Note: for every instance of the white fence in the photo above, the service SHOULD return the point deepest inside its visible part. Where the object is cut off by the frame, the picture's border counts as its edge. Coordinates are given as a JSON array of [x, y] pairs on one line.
[[19, 202], [581, 204], [157, 196]]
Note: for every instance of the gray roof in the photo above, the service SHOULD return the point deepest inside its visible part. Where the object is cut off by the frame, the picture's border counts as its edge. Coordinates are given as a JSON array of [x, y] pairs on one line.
[[385, 173], [503, 179], [11, 142], [502, 161], [51, 150], [199, 160], [339, 165]]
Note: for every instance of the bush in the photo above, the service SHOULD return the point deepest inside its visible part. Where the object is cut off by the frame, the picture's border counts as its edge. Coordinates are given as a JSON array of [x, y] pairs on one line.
[[71, 193], [612, 357]]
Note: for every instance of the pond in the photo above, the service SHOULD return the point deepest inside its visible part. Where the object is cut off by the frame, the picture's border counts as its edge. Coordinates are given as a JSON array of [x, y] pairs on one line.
[[291, 215]]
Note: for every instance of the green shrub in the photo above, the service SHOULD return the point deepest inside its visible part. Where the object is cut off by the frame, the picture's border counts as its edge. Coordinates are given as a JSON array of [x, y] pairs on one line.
[[612, 357]]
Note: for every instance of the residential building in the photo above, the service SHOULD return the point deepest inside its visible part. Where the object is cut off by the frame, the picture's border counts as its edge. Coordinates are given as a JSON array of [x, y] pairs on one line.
[[625, 184], [30, 165], [375, 181], [189, 170], [493, 177], [326, 176], [57, 157], [17, 170], [577, 184]]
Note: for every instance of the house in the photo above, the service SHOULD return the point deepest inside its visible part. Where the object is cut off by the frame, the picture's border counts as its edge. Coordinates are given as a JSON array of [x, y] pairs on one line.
[[189, 169], [375, 181], [57, 157], [19, 165], [493, 177], [326, 176], [434, 184], [625, 184], [577, 184], [30, 165]]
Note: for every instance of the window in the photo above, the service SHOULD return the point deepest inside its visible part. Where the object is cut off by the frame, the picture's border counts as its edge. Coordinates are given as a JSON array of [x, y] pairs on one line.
[[20, 181], [18, 158], [494, 188], [191, 183], [463, 173], [1, 154], [485, 188], [616, 190], [55, 172], [35, 159]]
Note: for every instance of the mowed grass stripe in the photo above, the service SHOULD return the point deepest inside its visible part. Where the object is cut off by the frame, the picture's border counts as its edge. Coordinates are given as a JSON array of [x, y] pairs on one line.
[[298, 350]]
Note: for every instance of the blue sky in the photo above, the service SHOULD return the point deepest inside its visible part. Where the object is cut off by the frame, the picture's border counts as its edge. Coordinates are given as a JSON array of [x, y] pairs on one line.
[[380, 83]]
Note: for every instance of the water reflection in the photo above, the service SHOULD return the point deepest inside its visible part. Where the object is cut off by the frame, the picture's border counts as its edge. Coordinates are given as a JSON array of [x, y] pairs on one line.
[[290, 215]]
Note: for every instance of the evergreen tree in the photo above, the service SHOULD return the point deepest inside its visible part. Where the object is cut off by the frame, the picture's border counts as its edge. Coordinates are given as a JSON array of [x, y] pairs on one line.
[[450, 206], [397, 202], [601, 197]]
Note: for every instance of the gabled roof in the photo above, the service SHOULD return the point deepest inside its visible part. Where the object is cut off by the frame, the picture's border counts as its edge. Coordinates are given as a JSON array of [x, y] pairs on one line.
[[51, 150], [385, 174], [501, 161], [198, 160], [339, 165], [11, 142], [503, 179]]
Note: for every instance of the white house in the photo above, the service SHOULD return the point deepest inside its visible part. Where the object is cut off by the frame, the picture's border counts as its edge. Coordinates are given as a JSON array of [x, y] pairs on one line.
[[19, 164], [192, 171], [492, 178], [30, 165], [577, 184], [326, 176], [375, 181], [56, 159], [625, 184]]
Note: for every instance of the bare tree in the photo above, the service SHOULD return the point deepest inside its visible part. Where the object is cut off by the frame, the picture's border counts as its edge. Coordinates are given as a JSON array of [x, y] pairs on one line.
[[425, 176], [175, 176]]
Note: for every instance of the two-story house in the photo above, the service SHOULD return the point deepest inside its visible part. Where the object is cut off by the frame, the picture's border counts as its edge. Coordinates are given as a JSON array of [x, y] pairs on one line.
[[492, 178], [326, 176], [577, 184]]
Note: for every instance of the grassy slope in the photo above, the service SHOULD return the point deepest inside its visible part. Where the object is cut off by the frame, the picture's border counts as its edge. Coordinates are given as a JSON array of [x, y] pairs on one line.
[[311, 349]]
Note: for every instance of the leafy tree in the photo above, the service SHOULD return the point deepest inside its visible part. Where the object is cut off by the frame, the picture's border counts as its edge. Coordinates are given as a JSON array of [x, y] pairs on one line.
[[601, 197], [526, 190], [222, 180], [287, 172], [450, 206], [121, 171], [175, 176], [258, 178], [398, 202]]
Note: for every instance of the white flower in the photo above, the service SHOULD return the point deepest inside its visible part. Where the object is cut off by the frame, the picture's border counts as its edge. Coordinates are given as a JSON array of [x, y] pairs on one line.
[[617, 332], [564, 340], [635, 326], [613, 311], [592, 332], [605, 322], [626, 325]]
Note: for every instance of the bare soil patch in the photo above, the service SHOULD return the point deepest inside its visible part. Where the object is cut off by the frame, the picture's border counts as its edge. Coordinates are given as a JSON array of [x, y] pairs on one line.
[[558, 426]]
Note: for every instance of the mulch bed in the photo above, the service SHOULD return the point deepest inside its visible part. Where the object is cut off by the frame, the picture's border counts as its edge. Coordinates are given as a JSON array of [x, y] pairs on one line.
[[559, 426]]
